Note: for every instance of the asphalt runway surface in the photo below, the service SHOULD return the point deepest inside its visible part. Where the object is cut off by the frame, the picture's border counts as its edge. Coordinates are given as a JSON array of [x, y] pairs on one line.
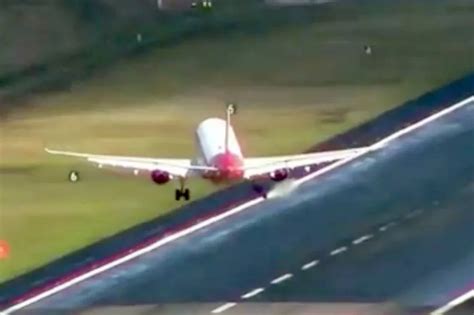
[[241, 255], [412, 201], [248, 308]]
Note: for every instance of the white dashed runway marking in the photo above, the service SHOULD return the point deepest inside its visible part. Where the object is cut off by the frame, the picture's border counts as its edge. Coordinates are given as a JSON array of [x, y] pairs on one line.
[[339, 250], [282, 278], [315, 262], [414, 214], [223, 308], [362, 239], [252, 293], [310, 265]]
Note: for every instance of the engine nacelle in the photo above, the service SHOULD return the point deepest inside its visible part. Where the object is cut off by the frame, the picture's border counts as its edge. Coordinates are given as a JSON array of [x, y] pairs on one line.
[[160, 177], [279, 175]]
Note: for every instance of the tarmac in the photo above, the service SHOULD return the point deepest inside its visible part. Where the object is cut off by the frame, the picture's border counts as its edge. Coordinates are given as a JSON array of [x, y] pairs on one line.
[[392, 226]]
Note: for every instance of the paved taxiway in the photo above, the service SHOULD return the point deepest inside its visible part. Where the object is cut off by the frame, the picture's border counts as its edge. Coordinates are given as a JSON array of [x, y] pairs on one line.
[[364, 233]]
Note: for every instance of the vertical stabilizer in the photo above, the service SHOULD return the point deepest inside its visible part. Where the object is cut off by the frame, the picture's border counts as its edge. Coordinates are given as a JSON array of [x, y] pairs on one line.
[[230, 111]]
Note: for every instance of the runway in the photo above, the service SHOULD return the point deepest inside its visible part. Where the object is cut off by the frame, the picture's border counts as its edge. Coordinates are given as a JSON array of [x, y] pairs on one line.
[[248, 308], [346, 243], [258, 254]]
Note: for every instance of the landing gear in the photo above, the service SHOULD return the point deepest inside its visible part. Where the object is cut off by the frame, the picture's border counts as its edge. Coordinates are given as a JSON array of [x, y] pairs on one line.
[[182, 192], [259, 189]]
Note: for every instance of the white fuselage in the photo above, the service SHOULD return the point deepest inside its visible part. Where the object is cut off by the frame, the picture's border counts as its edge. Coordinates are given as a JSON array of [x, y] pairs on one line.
[[211, 147]]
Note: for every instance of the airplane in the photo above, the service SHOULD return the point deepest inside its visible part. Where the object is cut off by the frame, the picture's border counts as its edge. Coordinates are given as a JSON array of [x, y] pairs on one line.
[[219, 159]]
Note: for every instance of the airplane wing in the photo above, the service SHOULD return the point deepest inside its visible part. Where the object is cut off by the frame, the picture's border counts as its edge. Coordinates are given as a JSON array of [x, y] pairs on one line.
[[175, 167], [254, 167]]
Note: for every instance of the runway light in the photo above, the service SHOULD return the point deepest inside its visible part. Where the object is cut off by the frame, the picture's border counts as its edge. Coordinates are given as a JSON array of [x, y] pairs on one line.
[[368, 50], [73, 176], [4, 249]]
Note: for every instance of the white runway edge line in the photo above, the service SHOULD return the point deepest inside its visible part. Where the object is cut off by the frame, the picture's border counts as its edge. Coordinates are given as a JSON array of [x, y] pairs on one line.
[[205, 223], [452, 304], [131, 256], [386, 140], [223, 308]]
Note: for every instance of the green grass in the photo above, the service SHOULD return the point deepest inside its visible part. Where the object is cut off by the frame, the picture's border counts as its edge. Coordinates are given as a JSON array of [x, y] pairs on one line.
[[295, 86]]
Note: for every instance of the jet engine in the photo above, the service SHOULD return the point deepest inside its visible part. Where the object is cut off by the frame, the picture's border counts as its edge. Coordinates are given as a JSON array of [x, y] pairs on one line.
[[279, 175], [160, 177]]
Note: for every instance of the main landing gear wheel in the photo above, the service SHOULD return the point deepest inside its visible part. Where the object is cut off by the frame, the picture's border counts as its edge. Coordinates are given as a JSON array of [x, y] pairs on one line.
[[182, 193]]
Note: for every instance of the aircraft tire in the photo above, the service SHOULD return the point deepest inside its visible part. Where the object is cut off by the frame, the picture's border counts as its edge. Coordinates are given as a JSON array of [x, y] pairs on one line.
[[182, 193]]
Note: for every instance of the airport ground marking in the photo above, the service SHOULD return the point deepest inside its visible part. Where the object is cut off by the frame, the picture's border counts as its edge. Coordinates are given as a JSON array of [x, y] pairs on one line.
[[285, 277], [315, 262], [338, 251], [422, 122], [453, 303], [380, 144], [413, 214], [223, 308], [91, 273], [131, 256], [392, 224], [310, 265], [389, 225], [410, 215], [362, 239], [252, 293]]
